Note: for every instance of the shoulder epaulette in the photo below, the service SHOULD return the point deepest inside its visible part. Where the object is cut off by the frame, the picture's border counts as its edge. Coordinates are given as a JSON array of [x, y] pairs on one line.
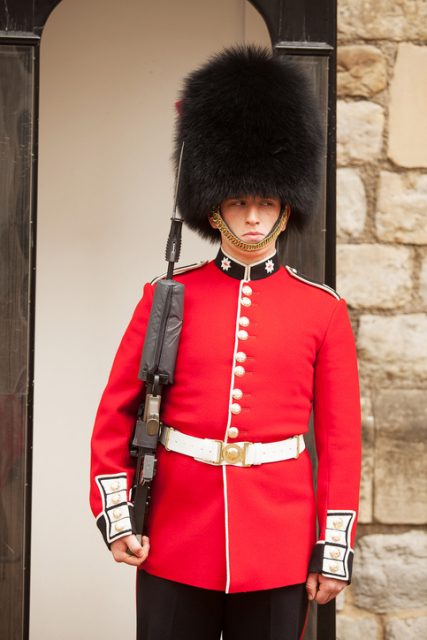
[[179, 270], [294, 273]]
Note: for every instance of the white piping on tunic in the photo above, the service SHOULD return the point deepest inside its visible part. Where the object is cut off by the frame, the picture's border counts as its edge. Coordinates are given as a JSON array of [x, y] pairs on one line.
[[178, 270], [227, 541], [294, 273], [224, 468]]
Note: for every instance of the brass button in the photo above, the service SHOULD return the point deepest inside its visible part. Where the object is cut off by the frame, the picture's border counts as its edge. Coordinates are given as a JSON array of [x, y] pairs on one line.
[[235, 408], [119, 527], [242, 334], [240, 356], [239, 371], [117, 514], [115, 499], [244, 321], [334, 553], [247, 290], [115, 486], [338, 523], [236, 394], [246, 302], [333, 568], [233, 432], [336, 538]]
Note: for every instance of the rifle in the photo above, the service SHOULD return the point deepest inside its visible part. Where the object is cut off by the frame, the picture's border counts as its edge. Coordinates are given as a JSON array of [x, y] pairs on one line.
[[157, 368]]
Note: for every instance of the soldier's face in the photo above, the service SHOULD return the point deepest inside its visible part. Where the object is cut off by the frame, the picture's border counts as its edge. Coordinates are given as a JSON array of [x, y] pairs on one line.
[[251, 219]]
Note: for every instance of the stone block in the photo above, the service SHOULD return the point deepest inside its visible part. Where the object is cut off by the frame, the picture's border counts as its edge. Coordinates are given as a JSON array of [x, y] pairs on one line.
[[374, 275], [351, 204], [406, 628], [407, 138], [394, 348], [362, 71], [359, 132], [349, 628], [400, 481], [382, 19], [402, 208], [390, 572]]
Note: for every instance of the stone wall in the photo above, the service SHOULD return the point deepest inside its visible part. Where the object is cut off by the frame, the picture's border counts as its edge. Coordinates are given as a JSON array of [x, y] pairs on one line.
[[382, 273]]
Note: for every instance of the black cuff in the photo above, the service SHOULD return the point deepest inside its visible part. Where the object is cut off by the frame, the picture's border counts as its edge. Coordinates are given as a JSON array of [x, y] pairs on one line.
[[102, 524], [332, 561]]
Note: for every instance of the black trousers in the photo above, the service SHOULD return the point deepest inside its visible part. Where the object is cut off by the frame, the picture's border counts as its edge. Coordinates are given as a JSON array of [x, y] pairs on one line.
[[169, 610]]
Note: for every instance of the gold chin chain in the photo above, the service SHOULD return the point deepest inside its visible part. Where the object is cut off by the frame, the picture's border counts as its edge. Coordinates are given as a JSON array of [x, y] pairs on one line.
[[223, 227]]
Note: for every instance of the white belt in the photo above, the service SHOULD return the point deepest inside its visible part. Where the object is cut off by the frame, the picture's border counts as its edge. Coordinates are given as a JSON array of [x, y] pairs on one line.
[[239, 454]]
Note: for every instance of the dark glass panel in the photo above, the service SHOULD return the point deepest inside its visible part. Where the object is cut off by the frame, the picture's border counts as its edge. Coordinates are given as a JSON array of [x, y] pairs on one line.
[[16, 145]]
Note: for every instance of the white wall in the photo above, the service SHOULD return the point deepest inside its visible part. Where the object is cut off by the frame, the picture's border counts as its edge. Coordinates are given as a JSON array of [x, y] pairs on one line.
[[110, 73]]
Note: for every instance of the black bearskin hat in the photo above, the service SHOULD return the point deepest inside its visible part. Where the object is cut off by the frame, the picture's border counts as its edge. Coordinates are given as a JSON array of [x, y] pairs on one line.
[[250, 127]]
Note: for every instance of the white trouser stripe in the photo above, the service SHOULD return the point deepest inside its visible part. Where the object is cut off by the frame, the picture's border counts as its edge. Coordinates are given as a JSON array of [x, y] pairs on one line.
[[227, 541]]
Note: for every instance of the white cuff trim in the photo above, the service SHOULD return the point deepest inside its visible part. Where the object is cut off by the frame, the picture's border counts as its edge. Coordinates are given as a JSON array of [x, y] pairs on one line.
[[337, 549], [115, 508]]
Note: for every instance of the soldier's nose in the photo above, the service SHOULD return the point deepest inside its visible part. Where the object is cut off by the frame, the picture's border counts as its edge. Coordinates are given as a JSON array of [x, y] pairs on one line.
[[253, 216]]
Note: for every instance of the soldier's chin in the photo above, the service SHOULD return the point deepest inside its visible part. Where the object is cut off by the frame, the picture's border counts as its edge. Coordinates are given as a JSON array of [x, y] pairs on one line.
[[253, 239]]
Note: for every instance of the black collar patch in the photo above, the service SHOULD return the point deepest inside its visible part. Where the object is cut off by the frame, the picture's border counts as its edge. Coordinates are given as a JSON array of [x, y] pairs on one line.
[[241, 271]]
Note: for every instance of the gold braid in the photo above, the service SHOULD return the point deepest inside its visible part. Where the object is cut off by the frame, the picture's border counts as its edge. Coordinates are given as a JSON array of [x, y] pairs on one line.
[[223, 227]]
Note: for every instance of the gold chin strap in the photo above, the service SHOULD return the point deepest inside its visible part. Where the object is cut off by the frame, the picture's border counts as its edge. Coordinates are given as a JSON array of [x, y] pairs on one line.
[[277, 229]]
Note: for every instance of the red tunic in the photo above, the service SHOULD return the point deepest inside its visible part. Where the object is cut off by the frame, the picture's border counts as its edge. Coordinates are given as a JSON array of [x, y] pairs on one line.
[[286, 345]]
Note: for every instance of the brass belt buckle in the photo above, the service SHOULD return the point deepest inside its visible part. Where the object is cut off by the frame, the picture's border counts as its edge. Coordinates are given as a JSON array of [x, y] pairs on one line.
[[233, 453]]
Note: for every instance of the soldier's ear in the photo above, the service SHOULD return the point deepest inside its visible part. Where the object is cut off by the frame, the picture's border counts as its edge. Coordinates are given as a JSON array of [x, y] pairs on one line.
[[211, 218]]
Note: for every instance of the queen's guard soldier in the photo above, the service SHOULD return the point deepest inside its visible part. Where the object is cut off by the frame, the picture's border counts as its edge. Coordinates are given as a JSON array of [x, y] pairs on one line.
[[232, 544]]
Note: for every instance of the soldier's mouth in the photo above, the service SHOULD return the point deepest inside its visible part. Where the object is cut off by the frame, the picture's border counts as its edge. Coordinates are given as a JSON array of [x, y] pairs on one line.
[[253, 236]]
